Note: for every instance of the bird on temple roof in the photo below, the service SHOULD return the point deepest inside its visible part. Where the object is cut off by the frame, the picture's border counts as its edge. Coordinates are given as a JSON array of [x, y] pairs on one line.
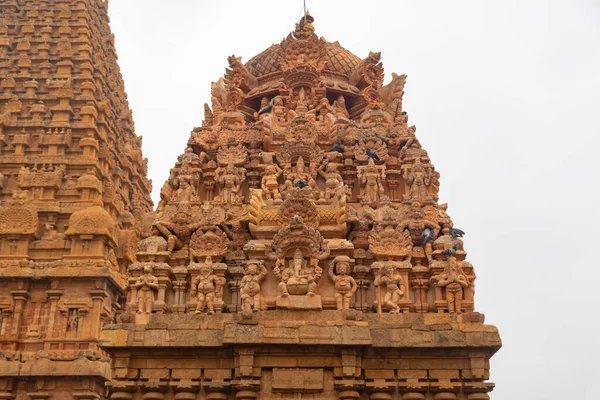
[[426, 236], [456, 233], [371, 154], [299, 183], [450, 252], [266, 109], [337, 146]]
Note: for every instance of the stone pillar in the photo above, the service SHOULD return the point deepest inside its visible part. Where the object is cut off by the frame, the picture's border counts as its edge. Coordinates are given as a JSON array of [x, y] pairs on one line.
[[444, 396], [349, 395], [98, 296], [179, 287], [413, 396], [246, 395], [53, 296], [20, 297], [380, 396]]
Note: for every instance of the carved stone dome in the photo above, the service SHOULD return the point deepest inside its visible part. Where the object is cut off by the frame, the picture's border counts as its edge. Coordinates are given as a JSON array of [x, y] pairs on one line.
[[340, 62], [92, 220]]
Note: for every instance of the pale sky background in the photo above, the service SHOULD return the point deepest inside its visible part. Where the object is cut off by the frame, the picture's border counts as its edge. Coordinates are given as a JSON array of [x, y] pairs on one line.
[[505, 95]]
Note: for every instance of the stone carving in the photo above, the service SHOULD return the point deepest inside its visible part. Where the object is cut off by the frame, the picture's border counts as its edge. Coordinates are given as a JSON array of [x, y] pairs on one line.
[[390, 288], [344, 284], [304, 164], [454, 282], [254, 274], [207, 287], [298, 277], [371, 178], [230, 178], [146, 286]]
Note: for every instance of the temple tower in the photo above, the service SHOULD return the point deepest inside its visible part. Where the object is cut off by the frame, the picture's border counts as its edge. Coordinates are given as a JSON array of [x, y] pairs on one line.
[[299, 250], [73, 193]]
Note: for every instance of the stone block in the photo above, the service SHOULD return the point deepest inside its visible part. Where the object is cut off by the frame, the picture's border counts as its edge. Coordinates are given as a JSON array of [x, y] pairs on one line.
[[299, 302]]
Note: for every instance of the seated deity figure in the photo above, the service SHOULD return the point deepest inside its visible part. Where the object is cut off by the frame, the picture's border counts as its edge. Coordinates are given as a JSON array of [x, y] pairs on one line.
[[322, 111], [279, 113], [300, 176], [455, 281], [254, 274], [393, 284], [339, 110], [298, 278], [333, 180], [146, 285], [344, 284], [206, 287]]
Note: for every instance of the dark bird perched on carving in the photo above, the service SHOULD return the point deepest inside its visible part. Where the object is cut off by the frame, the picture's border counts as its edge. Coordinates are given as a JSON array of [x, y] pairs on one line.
[[372, 154], [299, 183], [376, 107], [456, 233], [450, 252], [337, 146], [426, 236], [266, 109]]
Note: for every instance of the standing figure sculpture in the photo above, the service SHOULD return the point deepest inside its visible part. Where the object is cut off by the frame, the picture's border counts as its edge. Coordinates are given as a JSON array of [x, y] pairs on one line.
[[393, 284], [372, 185], [206, 287], [230, 178], [455, 281], [254, 274], [344, 284], [333, 180], [146, 285], [269, 184]]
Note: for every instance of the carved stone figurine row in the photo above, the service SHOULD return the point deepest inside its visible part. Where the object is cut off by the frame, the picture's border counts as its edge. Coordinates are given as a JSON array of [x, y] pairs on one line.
[[298, 279]]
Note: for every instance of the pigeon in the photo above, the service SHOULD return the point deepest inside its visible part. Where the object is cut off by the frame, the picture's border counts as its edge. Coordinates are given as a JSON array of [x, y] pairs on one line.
[[426, 236], [404, 113], [337, 146], [300, 184], [450, 252], [266, 109], [376, 107], [372, 154], [456, 233]]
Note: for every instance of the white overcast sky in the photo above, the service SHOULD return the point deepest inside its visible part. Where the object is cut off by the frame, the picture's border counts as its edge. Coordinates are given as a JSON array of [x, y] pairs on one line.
[[505, 95]]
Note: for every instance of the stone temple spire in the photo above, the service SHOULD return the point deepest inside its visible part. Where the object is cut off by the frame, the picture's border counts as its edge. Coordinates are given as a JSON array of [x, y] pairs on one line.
[[73, 193], [300, 247]]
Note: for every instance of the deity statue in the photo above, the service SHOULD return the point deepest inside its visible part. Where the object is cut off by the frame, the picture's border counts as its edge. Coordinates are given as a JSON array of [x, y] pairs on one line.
[[73, 320], [206, 287], [299, 176], [177, 230], [322, 111], [455, 281], [146, 285], [333, 180], [279, 113], [254, 274], [269, 184], [371, 183], [231, 179], [344, 284], [185, 190], [418, 178], [393, 284], [299, 278], [339, 109]]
